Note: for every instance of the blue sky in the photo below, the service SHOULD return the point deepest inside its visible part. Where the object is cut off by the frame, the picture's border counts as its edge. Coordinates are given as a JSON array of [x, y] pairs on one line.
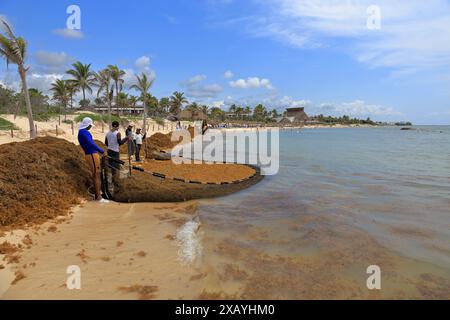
[[319, 54]]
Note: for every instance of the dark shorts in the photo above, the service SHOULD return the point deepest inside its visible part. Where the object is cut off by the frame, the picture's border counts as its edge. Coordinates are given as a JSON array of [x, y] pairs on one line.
[[114, 155]]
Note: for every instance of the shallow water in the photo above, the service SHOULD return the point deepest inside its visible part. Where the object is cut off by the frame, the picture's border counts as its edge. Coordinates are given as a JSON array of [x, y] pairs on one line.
[[344, 199]]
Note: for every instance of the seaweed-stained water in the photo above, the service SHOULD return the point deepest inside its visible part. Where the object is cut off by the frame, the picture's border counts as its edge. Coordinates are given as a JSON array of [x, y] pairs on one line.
[[343, 200]]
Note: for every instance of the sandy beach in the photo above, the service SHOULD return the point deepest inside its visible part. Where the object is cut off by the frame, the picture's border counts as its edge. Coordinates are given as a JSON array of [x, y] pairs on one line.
[[124, 251], [48, 128], [210, 249]]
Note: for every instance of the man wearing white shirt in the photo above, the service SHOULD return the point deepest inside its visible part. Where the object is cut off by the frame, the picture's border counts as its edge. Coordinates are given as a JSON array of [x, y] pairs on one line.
[[138, 138]]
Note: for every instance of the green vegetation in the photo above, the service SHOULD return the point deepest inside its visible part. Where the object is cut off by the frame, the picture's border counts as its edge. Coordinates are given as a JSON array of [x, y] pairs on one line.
[[45, 116], [13, 49], [96, 117], [159, 120], [345, 120], [7, 125], [143, 86]]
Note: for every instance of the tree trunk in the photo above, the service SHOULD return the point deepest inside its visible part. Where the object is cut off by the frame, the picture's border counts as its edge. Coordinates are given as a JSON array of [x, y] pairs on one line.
[[23, 76], [109, 113], [145, 127], [84, 94], [117, 97], [145, 116]]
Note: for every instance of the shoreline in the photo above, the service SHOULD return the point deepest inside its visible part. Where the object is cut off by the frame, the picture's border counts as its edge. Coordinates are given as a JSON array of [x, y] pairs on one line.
[[48, 128], [139, 241]]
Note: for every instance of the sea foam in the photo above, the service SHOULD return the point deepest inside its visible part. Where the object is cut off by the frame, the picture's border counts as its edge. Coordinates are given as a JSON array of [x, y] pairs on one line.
[[188, 240]]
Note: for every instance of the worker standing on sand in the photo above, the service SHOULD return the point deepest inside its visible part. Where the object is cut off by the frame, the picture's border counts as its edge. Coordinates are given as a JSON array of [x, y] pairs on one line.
[[138, 140], [91, 151], [113, 141], [130, 135]]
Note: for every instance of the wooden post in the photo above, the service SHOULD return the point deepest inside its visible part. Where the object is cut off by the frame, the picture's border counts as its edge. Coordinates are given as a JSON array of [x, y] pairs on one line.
[[103, 127], [56, 130], [73, 132], [35, 127], [153, 128], [12, 133], [129, 163]]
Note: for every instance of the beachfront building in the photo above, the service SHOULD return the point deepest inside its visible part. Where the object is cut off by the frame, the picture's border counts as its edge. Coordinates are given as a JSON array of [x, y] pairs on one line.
[[293, 116], [297, 114], [136, 110], [285, 121], [234, 115]]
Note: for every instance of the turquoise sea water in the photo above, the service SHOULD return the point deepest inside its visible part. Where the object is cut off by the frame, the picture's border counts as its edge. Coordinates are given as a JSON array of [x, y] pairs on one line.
[[344, 199]]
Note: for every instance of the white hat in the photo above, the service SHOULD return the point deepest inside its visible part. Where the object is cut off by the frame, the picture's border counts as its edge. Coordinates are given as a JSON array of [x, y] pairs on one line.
[[86, 123]]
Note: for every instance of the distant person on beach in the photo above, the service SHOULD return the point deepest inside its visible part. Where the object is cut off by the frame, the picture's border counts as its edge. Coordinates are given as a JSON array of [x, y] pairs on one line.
[[91, 151], [113, 141], [204, 126], [139, 138]]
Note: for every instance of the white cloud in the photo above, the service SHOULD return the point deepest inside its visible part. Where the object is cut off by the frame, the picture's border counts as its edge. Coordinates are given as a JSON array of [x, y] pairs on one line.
[[252, 83], [217, 104], [196, 89], [69, 33], [129, 78], [43, 81], [357, 108], [142, 62], [288, 102], [207, 91], [195, 79], [228, 74], [35, 80], [413, 34], [142, 65], [51, 62]]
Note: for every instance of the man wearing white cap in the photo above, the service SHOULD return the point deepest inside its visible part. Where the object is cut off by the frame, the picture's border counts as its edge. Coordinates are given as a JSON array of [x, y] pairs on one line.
[[91, 151]]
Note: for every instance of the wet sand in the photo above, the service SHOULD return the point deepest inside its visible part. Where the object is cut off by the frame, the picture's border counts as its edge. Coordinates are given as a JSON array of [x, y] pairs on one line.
[[125, 251]]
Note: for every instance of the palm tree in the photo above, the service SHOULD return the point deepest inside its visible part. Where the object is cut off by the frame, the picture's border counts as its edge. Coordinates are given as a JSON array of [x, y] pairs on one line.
[[123, 100], [72, 88], [117, 75], [133, 101], [14, 49], [61, 94], [83, 77], [143, 85], [233, 109], [247, 111], [103, 82], [193, 107], [177, 100], [205, 109], [164, 105], [239, 112]]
